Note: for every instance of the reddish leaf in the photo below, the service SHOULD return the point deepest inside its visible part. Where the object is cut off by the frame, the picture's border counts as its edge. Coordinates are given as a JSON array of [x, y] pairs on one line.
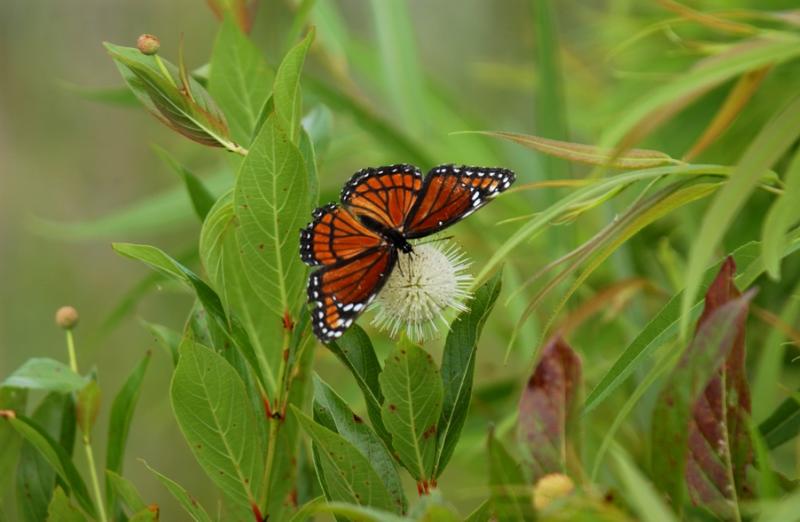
[[719, 441], [546, 410]]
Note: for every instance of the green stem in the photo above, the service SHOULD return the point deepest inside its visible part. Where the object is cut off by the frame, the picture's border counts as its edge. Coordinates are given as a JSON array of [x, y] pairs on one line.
[[87, 446]]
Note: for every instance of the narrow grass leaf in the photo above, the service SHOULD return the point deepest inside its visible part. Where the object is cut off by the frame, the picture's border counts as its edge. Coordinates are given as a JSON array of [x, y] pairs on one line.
[[783, 425], [782, 215], [510, 489], [772, 141], [217, 420], [240, 79], [353, 429], [412, 390], [202, 199], [119, 424], [57, 457], [188, 502], [118, 486], [61, 510], [354, 349], [40, 373], [348, 474], [646, 501], [547, 409], [458, 368], [287, 96]]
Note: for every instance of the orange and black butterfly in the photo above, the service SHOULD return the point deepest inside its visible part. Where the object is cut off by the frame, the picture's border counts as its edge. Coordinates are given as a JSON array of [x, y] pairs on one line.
[[357, 243]]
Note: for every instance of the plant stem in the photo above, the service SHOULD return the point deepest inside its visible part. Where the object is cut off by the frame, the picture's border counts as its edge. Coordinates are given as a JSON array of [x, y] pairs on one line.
[[87, 445]]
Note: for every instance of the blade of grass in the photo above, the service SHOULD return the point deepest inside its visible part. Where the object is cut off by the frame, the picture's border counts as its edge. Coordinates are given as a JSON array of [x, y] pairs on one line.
[[781, 216]]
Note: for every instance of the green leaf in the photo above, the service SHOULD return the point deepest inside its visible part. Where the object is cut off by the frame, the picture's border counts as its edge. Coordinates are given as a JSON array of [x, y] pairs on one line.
[[349, 511], [458, 368], [218, 422], [61, 510], [645, 500], [35, 477], [481, 513], [286, 92], [173, 97], [188, 502], [673, 411], [271, 203], [165, 337], [547, 409], [202, 199], [587, 154], [510, 491], [87, 406], [119, 425], [354, 349], [307, 510], [57, 457], [40, 373], [348, 473], [412, 390], [353, 429], [13, 399], [119, 486], [240, 79], [770, 144], [783, 213], [783, 425], [145, 515]]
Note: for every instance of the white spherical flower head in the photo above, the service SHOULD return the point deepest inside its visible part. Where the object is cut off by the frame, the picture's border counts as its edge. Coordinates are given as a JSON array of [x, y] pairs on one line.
[[423, 286]]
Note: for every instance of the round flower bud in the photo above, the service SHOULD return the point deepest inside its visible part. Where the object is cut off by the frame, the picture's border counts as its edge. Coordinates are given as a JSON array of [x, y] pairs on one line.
[[551, 487], [148, 44], [67, 317]]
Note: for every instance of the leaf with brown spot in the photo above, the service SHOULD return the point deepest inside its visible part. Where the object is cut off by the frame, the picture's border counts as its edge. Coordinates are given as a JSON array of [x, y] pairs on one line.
[[547, 408]]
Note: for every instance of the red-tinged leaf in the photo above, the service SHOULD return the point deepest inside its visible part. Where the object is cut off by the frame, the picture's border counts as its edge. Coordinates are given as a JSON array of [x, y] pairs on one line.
[[547, 408], [691, 434], [719, 440]]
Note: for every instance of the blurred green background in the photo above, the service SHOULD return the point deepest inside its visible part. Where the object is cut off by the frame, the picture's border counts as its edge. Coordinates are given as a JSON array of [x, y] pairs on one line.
[[424, 68]]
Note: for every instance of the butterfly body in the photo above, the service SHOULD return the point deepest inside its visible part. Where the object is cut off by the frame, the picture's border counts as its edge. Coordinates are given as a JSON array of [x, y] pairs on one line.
[[358, 242]]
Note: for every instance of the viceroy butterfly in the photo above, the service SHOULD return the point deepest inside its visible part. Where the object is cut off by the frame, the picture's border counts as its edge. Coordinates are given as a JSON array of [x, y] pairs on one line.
[[358, 242]]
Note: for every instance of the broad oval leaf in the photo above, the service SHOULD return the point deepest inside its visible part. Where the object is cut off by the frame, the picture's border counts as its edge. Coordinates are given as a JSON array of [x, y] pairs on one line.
[[353, 429], [458, 367], [218, 422], [41, 373], [591, 155], [349, 477], [412, 390]]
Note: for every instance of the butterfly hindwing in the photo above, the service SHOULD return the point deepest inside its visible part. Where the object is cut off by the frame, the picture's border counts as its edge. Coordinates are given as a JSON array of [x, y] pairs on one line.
[[335, 235], [385, 194], [342, 291], [450, 193]]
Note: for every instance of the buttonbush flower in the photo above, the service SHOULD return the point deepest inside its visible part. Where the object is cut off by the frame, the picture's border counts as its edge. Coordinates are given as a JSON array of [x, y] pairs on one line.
[[423, 287]]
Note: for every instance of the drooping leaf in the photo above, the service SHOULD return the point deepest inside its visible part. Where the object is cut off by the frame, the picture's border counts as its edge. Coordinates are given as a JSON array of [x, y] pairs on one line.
[[588, 154], [201, 197], [36, 479], [783, 425], [287, 97], [348, 473], [119, 425], [458, 368], [61, 510], [673, 413], [772, 141], [510, 490], [353, 429], [240, 79], [547, 413], [118, 486], [188, 502], [40, 373], [57, 457], [782, 215], [412, 390], [165, 337], [87, 406], [217, 420], [354, 349], [271, 203], [176, 99]]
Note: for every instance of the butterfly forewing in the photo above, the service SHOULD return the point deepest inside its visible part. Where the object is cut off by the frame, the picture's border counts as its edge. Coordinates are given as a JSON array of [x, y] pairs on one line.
[[342, 291], [335, 235], [385, 194], [451, 193]]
